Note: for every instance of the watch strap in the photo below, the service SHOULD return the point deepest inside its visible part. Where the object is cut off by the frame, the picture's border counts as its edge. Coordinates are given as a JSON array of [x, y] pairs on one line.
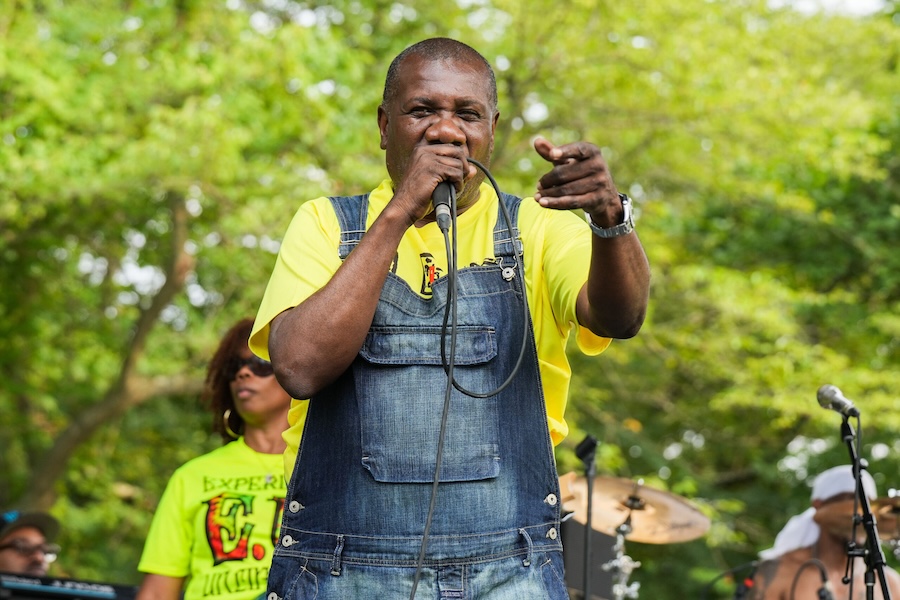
[[623, 228]]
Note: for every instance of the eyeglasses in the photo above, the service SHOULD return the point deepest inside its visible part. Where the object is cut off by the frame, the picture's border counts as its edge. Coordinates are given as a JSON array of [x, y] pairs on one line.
[[23, 548], [257, 366]]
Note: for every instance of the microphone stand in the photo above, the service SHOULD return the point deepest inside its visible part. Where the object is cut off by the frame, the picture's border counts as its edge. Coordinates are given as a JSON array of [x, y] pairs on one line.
[[874, 554], [587, 451]]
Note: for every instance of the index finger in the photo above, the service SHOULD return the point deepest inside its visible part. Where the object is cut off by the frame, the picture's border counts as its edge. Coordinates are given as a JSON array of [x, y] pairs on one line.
[[546, 149], [576, 150]]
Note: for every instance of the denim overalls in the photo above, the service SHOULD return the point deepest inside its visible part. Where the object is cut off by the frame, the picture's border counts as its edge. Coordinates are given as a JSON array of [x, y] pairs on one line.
[[358, 499]]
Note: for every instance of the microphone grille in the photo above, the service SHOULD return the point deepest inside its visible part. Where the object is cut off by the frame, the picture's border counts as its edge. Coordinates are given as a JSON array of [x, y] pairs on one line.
[[826, 394]]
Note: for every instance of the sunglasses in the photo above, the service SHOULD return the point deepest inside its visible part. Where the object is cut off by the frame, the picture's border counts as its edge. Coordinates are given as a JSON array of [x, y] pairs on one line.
[[257, 366], [23, 548]]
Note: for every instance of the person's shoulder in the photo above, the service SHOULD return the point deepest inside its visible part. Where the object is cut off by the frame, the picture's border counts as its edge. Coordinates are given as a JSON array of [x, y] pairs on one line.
[[321, 210], [561, 230], [534, 216], [316, 207], [893, 579], [774, 576], [795, 558], [767, 569], [213, 456]]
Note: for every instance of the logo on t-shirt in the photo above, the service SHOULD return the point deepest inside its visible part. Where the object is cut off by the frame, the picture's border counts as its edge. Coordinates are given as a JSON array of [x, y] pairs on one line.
[[430, 273], [228, 527]]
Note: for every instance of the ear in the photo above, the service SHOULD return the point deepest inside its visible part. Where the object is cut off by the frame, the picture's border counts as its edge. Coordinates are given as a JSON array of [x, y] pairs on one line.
[[494, 121], [382, 126]]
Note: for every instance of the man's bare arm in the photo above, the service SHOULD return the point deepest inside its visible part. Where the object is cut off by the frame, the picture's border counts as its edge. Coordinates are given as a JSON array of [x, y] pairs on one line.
[[613, 302], [311, 344], [763, 581]]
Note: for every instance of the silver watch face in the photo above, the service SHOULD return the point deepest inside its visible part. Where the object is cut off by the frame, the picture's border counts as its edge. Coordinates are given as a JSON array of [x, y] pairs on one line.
[[626, 205]]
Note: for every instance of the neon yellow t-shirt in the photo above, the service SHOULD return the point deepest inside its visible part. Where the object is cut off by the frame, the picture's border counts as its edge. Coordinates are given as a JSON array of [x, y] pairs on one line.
[[217, 523], [557, 258]]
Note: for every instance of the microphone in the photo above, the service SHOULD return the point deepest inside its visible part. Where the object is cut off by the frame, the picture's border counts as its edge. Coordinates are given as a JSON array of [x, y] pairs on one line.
[[440, 198], [831, 397]]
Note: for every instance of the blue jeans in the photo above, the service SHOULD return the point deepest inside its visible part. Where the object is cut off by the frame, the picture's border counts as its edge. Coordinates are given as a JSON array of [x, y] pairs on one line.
[[499, 579]]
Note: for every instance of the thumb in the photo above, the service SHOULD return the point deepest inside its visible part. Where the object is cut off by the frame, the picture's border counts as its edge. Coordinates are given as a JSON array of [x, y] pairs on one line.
[[546, 149]]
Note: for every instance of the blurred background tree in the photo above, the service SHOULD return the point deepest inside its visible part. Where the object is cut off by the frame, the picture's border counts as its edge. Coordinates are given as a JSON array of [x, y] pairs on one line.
[[153, 153]]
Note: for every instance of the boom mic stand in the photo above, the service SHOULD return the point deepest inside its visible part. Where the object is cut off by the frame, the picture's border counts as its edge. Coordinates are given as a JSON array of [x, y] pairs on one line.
[[587, 452], [874, 554]]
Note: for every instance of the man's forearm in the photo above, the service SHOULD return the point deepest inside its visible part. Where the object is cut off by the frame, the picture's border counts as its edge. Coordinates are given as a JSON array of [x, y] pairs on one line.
[[614, 301], [313, 343]]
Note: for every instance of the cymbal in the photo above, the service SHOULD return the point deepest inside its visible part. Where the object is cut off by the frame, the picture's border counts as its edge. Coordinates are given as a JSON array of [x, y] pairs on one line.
[[644, 514], [886, 504], [887, 517]]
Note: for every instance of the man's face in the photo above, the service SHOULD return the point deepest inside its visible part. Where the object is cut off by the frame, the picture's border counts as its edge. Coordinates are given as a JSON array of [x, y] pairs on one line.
[[22, 552], [445, 101], [835, 516]]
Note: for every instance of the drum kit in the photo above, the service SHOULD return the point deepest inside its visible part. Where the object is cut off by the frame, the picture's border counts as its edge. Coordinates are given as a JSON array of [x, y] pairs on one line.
[[628, 510], [887, 517]]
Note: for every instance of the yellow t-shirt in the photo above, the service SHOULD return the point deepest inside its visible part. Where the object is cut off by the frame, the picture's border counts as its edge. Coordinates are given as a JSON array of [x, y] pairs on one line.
[[557, 258], [217, 524]]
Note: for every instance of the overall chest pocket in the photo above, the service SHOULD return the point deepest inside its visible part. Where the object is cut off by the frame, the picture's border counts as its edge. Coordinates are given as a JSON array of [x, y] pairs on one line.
[[401, 385]]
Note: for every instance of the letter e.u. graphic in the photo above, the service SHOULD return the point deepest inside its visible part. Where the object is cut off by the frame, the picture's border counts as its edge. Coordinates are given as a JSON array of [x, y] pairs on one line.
[[227, 528]]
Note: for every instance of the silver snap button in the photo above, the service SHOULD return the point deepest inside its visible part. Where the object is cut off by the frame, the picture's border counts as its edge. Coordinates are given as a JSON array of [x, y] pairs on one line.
[[294, 506], [287, 541], [507, 273], [552, 533], [551, 499], [272, 596]]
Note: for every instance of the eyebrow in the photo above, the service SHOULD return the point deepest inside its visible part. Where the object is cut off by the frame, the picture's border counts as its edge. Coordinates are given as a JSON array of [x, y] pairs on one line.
[[460, 102]]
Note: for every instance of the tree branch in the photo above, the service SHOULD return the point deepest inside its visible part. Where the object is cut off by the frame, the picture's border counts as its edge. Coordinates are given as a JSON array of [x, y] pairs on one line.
[[129, 389]]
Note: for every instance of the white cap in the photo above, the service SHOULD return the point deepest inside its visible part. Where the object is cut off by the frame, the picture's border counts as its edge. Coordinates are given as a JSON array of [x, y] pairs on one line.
[[839, 480]]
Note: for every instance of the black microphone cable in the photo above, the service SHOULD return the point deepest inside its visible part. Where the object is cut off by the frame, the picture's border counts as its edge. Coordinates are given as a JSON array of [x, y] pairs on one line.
[[521, 271], [451, 298], [704, 593], [450, 316], [825, 590]]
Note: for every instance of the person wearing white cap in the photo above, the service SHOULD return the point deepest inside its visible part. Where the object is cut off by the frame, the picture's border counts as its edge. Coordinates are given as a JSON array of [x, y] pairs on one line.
[[809, 558]]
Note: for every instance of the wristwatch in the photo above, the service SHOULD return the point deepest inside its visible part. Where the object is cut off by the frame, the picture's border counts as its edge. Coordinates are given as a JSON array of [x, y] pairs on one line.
[[623, 228]]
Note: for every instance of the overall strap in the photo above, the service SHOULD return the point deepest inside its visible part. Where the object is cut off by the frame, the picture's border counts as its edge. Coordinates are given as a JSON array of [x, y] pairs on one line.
[[351, 213], [503, 241]]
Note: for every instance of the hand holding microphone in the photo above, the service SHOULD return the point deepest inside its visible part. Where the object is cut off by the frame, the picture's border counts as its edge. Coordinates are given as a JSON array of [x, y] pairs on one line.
[[441, 198]]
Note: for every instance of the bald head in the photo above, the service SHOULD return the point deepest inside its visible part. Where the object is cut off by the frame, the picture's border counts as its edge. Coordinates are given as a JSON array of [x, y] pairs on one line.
[[438, 49]]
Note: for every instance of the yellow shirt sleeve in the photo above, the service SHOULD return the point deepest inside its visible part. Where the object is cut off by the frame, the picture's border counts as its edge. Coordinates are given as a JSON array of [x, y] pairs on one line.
[[306, 261], [557, 260]]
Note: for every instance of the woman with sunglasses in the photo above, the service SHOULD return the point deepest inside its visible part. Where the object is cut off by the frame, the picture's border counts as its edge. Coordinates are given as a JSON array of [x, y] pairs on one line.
[[217, 522]]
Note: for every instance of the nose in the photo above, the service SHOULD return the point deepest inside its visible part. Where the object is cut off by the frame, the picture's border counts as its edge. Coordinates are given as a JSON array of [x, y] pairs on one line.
[[445, 131]]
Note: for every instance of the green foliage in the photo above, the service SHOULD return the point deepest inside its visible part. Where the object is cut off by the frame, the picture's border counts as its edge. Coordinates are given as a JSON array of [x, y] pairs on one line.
[[153, 153]]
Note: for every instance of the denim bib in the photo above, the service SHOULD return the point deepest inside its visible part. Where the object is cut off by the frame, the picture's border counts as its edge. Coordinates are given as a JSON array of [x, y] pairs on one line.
[[361, 486]]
